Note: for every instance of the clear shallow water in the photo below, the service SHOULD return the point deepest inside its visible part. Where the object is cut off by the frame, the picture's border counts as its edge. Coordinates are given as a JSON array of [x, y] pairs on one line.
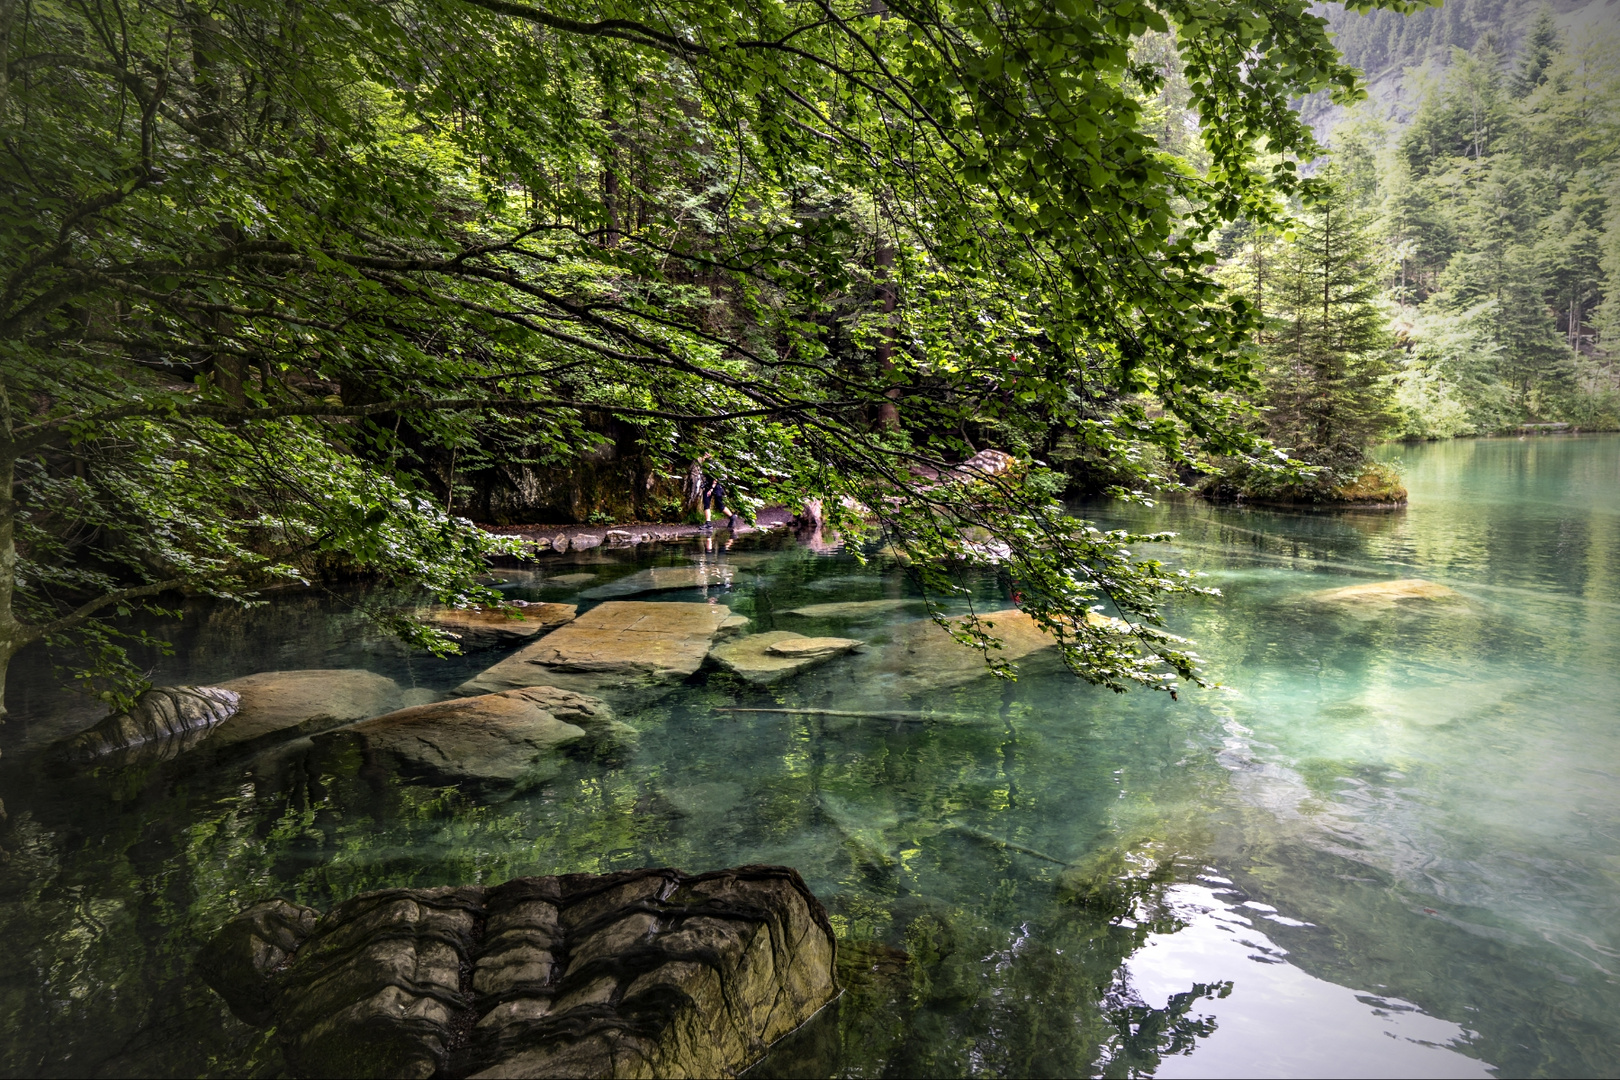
[[1388, 846]]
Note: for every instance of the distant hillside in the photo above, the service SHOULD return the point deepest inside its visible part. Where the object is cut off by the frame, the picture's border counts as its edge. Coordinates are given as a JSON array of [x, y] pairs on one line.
[[1386, 46]]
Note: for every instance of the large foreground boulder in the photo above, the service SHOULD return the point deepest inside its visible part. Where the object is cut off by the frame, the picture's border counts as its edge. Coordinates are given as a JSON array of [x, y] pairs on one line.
[[646, 973], [618, 650], [164, 721]]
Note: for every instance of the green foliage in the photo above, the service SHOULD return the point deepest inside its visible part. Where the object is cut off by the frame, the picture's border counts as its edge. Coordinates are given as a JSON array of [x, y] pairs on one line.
[[817, 243], [1326, 351], [1496, 206]]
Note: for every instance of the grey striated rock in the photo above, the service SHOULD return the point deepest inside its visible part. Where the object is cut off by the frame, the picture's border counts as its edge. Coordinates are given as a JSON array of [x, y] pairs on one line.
[[241, 960], [165, 721], [637, 974]]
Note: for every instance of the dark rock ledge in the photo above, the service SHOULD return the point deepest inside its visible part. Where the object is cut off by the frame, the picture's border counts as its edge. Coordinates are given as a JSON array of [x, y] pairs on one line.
[[645, 973]]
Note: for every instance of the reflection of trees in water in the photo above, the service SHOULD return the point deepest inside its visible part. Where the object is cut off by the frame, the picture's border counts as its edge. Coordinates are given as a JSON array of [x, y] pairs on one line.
[[118, 877]]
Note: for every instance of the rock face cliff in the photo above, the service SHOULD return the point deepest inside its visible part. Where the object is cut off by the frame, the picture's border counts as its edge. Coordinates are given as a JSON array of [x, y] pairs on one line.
[[645, 973]]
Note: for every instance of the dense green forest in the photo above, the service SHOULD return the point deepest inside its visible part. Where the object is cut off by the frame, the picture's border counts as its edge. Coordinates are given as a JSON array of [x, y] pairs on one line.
[[300, 291], [1457, 277], [280, 278]]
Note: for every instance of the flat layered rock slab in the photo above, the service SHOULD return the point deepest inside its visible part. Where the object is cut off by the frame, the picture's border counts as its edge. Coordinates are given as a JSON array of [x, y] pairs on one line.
[[482, 628], [662, 578], [512, 739], [618, 648], [286, 704], [854, 609], [778, 654], [637, 974]]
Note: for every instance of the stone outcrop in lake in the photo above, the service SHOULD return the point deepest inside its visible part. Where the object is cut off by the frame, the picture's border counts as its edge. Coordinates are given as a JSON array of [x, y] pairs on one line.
[[619, 650], [661, 579], [164, 721], [637, 974], [483, 628], [920, 656], [1383, 596], [778, 654], [853, 610], [510, 740], [279, 705]]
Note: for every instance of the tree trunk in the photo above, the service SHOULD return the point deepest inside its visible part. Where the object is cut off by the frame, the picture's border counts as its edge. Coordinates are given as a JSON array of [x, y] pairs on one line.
[[889, 411], [11, 631]]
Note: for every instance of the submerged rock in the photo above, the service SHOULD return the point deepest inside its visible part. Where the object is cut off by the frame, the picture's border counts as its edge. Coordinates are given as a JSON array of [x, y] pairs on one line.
[[482, 628], [165, 720], [777, 654], [286, 704], [853, 609], [617, 649], [921, 656], [734, 624], [510, 739], [1385, 594], [569, 580], [642, 973], [662, 578]]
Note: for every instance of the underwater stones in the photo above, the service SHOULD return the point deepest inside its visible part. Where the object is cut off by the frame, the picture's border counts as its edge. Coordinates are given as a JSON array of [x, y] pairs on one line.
[[284, 704], [508, 739], [173, 717], [734, 624], [1384, 595], [853, 609], [660, 579], [778, 654], [482, 628], [921, 656], [618, 648], [642, 973], [569, 580]]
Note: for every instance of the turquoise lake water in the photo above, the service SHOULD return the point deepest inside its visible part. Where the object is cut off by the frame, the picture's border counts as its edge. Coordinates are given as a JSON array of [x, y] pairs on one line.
[[1387, 845]]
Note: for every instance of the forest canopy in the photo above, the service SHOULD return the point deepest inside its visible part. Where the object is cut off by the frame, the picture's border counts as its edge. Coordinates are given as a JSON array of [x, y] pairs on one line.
[[263, 261]]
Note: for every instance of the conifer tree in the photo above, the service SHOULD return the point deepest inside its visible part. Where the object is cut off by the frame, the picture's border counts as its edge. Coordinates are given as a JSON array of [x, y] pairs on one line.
[[1328, 354]]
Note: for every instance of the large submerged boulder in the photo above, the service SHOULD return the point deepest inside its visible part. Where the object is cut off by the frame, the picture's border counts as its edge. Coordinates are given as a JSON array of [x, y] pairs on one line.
[[854, 610], [484, 628], [921, 656], [637, 974], [778, 654], [663, 579], [1380, 597], [163, 721], [280, 705], [618, 650], [510, 740]]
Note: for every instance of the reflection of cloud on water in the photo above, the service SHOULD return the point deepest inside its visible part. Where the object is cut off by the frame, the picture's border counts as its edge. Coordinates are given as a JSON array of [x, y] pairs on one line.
[[1277, 1020]]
